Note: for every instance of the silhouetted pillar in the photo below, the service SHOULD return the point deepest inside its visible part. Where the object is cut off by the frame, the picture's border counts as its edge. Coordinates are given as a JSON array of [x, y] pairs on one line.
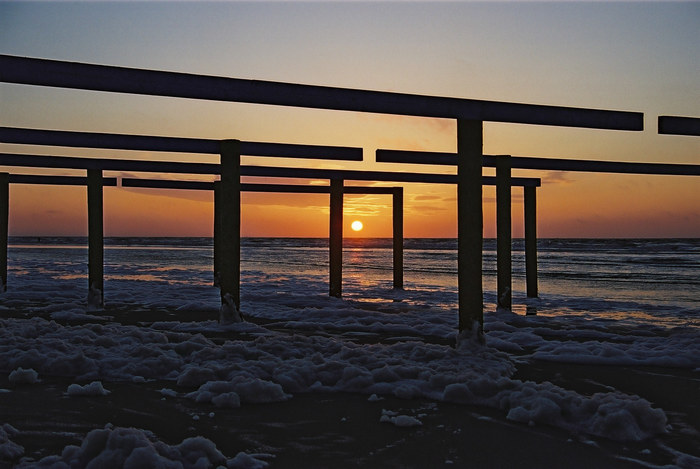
[[229, 241], [470, 224], [531, 240], [95, 239], [4, 214], [336, 239], [503, 233], [397, 208], [217, 232]]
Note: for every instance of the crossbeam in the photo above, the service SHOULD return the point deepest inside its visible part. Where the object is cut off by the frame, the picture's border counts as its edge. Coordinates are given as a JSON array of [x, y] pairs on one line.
[[551, 164], [56, 180], [245, 187], [67, 162], [85, 76], [191, 185], [64, 138], [676, 125]]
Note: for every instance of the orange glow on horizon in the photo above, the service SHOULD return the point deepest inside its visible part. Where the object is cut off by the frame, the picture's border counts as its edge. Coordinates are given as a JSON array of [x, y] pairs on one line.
[[574, 206]]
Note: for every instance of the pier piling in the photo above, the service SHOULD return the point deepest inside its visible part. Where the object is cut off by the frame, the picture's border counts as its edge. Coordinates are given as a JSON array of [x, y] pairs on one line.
[[4, 220], [531, 240], [95, 239], [397, 220], [217, 232], [470, 224], [229, 216], [504, 265], [336, 239]]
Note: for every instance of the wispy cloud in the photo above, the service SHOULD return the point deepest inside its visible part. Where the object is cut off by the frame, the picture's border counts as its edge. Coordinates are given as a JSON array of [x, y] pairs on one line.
[[557, 177]]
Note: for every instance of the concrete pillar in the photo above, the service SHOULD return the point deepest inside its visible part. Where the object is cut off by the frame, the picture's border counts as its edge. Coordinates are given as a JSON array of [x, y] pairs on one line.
[[95, 239], [531, 240], [217, 232], [230, 222], [397, 208], [503, 233], [4, 214], [470, 225], [336, 239]]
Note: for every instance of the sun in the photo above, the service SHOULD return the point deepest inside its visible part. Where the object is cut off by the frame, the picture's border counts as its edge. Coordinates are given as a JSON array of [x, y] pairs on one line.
[[356, 225]]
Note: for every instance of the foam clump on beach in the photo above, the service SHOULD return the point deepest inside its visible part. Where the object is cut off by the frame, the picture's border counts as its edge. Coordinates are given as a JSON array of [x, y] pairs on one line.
[[584, 339], [9, 450], [74, 316], [23, 376], [131, 448], [611, 415], [89, 390], [167, 392], [399, 420], [271, 368], [211, 326], [239, 389]]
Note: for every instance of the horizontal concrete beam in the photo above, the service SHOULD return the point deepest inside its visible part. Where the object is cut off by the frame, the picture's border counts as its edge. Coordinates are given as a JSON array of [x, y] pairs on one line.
[[56, 180], [192, 185], [287, 188], [65, 162], [676, 125], [84, 76], [65, 138], [106, 164], [552, 164], [386, 176]]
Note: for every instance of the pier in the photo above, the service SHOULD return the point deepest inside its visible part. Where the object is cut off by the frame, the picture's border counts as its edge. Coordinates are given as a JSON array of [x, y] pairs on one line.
[[220, 240], [504, 164], [469, 115]]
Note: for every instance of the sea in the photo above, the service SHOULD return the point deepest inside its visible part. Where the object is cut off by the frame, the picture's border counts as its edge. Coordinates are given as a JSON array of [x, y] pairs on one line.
[[655, 280]]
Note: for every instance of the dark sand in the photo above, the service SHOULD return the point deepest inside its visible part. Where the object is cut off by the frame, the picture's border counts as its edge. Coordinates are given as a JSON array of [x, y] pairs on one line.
[[342, 430], [310, 430]]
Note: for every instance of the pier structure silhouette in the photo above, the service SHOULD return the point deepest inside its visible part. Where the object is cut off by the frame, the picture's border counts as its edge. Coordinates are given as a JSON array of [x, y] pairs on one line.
[[101, 140], [504, 164], [469, 114]]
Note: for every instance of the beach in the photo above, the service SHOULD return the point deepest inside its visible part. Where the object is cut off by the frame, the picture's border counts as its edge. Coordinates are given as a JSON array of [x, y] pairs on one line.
[[376, 379]]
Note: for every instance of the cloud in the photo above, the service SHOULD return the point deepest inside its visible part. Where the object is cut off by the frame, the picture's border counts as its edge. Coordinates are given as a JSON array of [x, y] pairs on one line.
[[426, 197], [556, 177], [195, 195], [426, 208]]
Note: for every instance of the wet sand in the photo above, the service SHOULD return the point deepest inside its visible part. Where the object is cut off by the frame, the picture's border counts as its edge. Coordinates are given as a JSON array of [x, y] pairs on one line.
[[310, 430], [341, 430]]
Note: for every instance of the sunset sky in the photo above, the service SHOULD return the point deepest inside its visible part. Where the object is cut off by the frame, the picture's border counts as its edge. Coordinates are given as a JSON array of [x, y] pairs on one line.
[[632, 56]]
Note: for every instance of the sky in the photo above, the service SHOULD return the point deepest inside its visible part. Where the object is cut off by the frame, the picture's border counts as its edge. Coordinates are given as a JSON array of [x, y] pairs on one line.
[[632, 56]]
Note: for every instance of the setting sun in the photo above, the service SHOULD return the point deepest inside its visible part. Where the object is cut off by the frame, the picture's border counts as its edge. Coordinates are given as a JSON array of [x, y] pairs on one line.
[[356, 225]]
